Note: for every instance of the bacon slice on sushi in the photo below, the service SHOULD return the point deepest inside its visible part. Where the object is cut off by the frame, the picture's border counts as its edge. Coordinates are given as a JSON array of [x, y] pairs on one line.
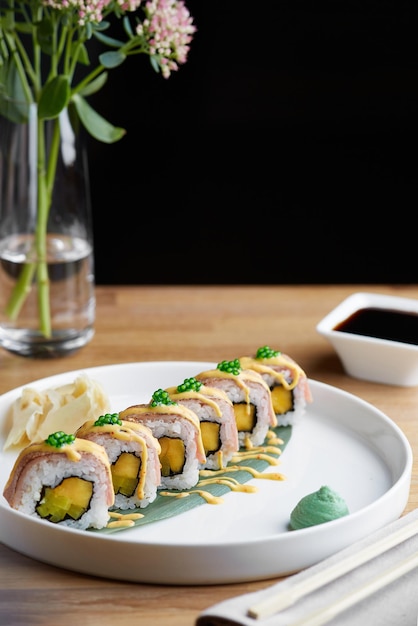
[[251, 399], [133, 452], [217, 420], [287, 381], [177, 429], [63, 480]]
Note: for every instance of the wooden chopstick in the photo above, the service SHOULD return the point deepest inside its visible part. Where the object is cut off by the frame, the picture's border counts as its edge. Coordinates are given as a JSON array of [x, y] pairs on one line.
[[277, 602], [324, 615]]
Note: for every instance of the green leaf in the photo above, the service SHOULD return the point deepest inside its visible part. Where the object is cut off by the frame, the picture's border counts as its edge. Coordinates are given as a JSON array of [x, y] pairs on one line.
[[95, 85], [24, 27], [54, 97], [13, 103], [44, 34], [127, 27], [103, 25], [95, 124], [108, 41], [164, 507], [88, 30], [82, 52], [154, 63], [112, 58]]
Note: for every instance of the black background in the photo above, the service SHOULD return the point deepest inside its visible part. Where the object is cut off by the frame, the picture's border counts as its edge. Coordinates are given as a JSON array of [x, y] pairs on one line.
[[284, 150]]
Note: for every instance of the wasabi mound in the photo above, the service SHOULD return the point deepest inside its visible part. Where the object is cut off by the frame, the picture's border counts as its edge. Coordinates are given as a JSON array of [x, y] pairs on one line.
[[318, 507]]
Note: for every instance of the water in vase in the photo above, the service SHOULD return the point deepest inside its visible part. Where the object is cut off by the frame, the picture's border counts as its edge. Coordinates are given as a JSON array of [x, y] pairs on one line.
[[69, 270]]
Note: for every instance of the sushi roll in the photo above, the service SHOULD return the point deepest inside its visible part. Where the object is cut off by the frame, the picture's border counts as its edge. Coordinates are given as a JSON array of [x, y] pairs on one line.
[[217, 420], [287, 382], [133, 452], [251, 399], [63, 480], [177, 429]]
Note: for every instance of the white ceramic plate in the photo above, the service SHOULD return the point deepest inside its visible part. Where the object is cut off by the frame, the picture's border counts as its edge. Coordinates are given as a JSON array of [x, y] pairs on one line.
[[341, 441]]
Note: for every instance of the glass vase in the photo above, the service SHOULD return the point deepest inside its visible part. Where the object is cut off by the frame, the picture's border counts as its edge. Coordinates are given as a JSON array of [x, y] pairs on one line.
[[47, 296]]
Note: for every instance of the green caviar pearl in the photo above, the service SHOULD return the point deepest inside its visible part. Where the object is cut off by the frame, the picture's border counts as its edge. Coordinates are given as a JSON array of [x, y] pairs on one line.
[[230, 367], [59, 439], [266, 353], [108, 418], [161, 397], [189, 384]]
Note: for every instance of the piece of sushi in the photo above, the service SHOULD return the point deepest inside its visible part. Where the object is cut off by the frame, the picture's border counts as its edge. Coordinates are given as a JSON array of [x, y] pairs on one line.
[[63, 480], [133, 452], [250, 396], [177, 429], [217, 420], [288, 383]]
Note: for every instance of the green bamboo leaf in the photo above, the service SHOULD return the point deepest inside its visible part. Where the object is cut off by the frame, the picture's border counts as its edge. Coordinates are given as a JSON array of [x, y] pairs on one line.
[[95, 124], [54, 97], [164, 507]]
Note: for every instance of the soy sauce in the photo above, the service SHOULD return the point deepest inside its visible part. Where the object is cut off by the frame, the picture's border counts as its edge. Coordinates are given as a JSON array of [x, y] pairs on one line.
[[382, 324]]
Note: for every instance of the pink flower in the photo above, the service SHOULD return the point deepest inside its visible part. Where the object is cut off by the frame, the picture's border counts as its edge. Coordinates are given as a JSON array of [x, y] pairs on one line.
[[129, 5], [88, 10], [168, 28]]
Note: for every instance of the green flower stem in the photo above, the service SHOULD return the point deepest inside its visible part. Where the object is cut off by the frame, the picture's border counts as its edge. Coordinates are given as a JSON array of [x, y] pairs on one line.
[[41, 236], [20, 291], [52, 161], [45, 179], [18, 52]]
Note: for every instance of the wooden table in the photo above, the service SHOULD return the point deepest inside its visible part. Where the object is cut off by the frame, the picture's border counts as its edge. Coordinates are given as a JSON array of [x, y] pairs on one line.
[[154, 323]]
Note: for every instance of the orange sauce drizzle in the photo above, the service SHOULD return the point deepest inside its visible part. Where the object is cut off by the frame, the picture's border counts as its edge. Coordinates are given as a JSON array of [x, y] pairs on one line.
[[210, 498], [232, 483], [123, 520], [250, 470], [274, 440], [256, 453]]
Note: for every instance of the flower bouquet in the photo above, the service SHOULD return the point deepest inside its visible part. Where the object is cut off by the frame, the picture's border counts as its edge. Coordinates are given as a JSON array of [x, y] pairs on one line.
[[54, 55]]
